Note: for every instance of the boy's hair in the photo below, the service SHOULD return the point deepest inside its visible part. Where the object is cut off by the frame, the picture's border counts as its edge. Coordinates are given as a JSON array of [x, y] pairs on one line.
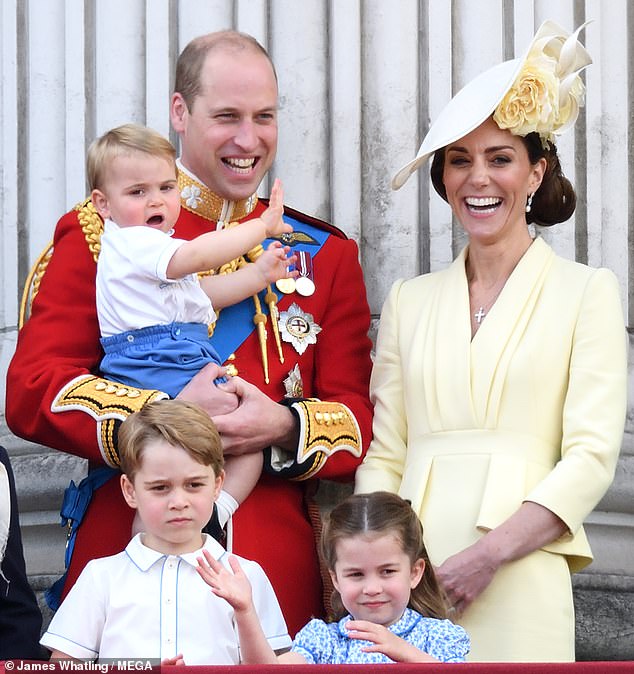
[[192, 59], [180, 423], [375, 515], [124, 141]]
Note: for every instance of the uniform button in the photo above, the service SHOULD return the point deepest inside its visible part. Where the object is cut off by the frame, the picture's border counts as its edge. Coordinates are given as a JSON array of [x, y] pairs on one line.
[[130, 338]]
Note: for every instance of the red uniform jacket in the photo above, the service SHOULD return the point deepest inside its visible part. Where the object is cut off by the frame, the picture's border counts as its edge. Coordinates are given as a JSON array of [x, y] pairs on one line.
[[56, 398]]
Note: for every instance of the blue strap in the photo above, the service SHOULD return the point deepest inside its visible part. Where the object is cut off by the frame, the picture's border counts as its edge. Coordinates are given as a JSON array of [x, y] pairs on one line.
[[74, 505]]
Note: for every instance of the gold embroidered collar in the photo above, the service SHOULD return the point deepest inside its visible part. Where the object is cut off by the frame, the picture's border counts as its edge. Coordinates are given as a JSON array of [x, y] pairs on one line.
[[198, 198]]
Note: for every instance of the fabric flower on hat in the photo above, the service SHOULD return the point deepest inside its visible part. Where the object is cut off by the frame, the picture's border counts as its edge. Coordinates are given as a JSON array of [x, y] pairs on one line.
[[548, 92], [532, 103]]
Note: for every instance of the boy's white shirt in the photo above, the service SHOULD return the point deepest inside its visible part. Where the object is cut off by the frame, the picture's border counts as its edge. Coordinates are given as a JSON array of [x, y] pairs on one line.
[[144, 604], [132, 288]]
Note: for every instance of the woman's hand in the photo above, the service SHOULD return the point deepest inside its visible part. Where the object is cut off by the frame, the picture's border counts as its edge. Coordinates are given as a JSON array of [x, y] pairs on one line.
[[465, 575]]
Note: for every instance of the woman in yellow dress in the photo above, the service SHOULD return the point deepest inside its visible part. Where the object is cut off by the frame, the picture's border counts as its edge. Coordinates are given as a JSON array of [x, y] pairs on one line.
[[499, 383]]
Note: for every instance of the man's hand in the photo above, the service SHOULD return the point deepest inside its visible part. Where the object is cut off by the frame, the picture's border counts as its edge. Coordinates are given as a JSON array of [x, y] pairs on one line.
[[203, 391], [385, 642], [257, 422]]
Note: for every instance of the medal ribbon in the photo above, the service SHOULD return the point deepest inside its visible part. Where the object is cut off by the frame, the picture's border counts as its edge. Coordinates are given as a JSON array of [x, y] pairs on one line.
[[305, 264]]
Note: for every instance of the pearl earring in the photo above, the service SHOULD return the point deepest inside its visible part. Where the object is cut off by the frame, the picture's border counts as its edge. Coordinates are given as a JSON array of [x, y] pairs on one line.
[[529, 203]]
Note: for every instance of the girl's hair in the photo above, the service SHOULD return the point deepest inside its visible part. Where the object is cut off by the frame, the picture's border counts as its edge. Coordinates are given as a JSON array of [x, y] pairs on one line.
[[374, 515], [554, 201], [124, 140], [177, 422]]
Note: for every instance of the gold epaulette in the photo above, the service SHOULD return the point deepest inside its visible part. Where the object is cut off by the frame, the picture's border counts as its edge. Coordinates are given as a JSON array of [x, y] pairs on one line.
[[106, 402], [324, 428]]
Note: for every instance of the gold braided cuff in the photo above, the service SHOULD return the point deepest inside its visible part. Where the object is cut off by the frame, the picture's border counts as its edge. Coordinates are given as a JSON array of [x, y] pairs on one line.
[[108, 403], [324, 428]]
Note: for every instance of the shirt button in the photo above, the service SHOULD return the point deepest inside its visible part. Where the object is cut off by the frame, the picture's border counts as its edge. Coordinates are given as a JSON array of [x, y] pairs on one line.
[[130, 338]]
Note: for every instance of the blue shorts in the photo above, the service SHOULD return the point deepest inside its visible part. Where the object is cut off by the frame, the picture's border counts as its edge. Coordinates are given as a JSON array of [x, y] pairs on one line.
[[162, 357]]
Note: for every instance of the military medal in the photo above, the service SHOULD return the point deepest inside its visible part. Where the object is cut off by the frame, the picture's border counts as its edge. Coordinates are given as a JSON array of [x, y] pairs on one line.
[[304, 283], [298, 328], [285, 285], [293, 384]]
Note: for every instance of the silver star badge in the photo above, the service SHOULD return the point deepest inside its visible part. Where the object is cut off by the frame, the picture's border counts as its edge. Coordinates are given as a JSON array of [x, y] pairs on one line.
[[298, 328]]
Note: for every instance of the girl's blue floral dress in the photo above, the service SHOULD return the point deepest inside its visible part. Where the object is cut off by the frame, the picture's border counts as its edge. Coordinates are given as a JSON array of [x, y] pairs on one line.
[[328, 643]]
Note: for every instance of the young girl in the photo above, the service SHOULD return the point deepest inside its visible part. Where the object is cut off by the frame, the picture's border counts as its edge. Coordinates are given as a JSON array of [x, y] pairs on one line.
[[387, 601]]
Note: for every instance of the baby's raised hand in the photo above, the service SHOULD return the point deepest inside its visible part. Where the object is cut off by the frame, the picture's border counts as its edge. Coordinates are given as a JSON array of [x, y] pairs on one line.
[[272, 216], [233, 586], [273, 263]]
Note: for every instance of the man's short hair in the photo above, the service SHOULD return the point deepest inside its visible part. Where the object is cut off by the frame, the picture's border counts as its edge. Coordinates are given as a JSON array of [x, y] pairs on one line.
[[123, 141], [177, 422], [190, 63]]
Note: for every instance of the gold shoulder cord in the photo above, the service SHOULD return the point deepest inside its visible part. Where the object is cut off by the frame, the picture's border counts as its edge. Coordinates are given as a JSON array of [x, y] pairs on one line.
[[92, 226], [259, 317], [199, 199]]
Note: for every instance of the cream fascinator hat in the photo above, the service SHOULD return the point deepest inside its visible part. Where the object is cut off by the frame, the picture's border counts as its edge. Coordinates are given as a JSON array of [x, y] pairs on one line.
[[540, 92]]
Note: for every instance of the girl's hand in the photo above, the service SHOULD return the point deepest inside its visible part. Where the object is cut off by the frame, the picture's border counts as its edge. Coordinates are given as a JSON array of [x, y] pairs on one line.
[[385, 642], [234, 587], [272, 216], [176, 660], [274, 264]]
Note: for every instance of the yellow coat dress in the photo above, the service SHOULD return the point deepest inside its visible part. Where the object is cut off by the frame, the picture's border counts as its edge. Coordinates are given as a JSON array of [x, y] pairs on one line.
[[532, 408]]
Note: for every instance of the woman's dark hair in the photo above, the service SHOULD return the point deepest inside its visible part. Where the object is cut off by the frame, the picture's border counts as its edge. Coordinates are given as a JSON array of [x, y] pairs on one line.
[[374, 515], [554, 201]]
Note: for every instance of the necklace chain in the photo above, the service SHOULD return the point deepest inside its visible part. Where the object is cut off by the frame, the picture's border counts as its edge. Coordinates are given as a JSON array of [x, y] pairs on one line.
[[484, 308]]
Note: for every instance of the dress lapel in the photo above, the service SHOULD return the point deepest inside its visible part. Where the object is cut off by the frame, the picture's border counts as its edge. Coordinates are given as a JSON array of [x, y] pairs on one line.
[[494, 344]]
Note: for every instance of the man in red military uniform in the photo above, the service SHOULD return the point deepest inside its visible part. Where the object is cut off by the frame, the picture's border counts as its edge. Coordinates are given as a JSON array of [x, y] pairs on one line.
[[302, 383]]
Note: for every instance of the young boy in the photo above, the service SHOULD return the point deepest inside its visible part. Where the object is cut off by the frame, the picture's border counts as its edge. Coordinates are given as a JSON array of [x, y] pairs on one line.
[[149, 601], [154, 312]]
